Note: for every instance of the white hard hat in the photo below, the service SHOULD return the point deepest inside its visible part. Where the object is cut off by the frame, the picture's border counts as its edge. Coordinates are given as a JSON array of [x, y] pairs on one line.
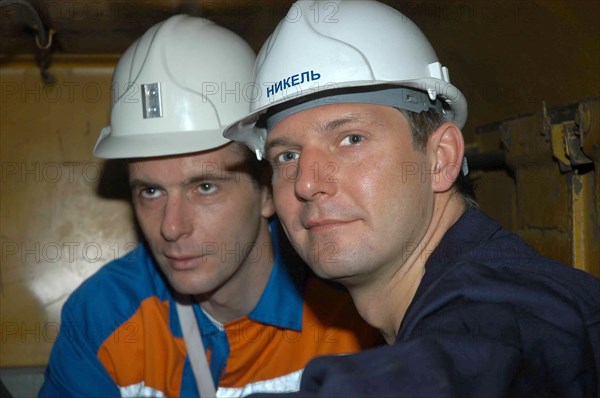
[[324, 46], [175, 89]]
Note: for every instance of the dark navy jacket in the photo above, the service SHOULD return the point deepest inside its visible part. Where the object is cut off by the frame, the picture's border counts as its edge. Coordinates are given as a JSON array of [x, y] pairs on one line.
[[491, 318]]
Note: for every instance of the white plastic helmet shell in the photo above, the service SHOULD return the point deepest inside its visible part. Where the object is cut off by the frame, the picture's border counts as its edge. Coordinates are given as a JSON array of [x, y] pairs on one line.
[[324, 45], [175, 89]]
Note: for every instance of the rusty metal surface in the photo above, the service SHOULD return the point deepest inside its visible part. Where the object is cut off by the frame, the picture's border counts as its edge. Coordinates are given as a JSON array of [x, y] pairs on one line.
[[553, 183], [56, 230]]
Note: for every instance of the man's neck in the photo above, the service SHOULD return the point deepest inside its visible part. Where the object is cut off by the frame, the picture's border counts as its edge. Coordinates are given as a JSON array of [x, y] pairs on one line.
[[240, 294], [383, 300]]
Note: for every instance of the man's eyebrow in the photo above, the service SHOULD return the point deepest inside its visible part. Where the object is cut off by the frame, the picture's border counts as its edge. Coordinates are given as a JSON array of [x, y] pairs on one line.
[[350, 118], [139, 182], [223, 172], [327, 126], [279, 142], [340, 122]]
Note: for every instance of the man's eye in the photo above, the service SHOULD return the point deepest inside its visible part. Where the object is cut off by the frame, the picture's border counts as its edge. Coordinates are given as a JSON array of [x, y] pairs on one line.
[[149, 193], [287, 157], [207, 187], [353, 139]]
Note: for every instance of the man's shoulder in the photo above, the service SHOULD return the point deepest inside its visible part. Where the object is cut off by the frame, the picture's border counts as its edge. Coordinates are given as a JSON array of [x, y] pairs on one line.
[[485, 249], [503, 293], [523, 282], [484, 263], [508, 257]]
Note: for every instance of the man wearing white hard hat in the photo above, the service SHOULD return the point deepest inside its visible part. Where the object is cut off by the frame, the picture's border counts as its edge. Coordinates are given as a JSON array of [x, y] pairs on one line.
[[208, 304], [362, 127]]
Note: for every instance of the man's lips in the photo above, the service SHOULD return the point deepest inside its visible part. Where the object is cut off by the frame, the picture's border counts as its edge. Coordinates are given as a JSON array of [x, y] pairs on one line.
[[325, 224], [184, 262]]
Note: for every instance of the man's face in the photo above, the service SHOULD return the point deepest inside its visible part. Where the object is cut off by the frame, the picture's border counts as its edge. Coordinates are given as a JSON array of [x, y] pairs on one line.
[[353, 194], [201, 215]]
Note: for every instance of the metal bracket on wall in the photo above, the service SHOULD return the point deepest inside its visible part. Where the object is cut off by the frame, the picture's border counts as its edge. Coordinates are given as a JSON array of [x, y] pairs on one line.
[[567, 141]]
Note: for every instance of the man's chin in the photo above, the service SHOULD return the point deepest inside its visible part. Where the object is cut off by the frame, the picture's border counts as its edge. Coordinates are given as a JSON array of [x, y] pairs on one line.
[[344, 272], [183, 286]]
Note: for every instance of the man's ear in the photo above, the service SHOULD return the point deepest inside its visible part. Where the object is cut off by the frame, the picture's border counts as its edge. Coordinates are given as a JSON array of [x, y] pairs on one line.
[[268, 207], [446, 147]]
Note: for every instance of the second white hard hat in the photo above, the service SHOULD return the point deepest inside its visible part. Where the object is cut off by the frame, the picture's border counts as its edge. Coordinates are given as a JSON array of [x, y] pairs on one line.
[[175, 89], [324, 46]]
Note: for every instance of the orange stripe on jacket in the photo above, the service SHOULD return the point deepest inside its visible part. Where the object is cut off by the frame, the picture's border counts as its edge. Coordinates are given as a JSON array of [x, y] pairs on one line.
[[130, 356], [262, 352], [143, 349]]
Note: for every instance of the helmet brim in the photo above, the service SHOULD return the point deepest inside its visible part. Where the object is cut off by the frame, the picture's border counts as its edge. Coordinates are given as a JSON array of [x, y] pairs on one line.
[[110, 146]]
